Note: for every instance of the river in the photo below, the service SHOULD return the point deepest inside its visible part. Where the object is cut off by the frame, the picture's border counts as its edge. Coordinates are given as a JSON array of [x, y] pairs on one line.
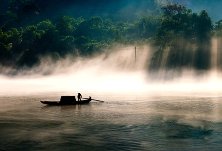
[[125, 121]]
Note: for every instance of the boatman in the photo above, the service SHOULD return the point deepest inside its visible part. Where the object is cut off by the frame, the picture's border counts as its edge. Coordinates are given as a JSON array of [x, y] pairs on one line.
[[79, 97]]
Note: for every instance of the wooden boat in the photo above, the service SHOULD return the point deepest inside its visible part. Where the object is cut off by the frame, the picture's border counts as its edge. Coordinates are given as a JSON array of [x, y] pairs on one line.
[[67, 100]]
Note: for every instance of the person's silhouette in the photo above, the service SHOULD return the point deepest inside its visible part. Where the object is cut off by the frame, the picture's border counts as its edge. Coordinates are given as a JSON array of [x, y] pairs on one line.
[[79, 97]]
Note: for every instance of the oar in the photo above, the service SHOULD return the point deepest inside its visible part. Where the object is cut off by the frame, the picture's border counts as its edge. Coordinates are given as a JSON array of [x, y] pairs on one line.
[[94, 99], [97, 100]]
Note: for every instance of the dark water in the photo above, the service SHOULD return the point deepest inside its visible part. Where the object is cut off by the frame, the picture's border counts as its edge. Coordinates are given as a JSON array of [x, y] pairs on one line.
[[135, 122]]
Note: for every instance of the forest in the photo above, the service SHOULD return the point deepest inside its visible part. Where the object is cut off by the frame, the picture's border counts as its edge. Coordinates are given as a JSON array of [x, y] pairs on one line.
[[30, 29]]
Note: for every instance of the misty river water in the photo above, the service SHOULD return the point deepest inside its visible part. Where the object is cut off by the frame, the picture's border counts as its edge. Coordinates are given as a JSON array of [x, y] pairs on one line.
[[125, 121], [183, 112]]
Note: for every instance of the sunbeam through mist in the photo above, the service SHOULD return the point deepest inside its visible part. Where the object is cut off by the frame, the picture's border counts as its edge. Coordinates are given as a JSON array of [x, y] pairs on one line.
[[114, 72], [110, 75]]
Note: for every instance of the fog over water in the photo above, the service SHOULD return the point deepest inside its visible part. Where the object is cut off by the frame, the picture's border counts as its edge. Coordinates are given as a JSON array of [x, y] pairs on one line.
[[117, 71], [142, 111]]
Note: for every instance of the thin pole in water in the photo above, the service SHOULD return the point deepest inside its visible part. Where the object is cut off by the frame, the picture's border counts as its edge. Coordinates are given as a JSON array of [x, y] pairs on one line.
[[135, 54]]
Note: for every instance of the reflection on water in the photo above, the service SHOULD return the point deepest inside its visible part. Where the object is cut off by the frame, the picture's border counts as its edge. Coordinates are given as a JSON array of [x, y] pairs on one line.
[[141, 122]]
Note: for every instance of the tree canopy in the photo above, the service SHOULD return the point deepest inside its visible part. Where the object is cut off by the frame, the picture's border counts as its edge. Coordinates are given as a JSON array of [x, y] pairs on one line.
[[184, 38], [30, 29]]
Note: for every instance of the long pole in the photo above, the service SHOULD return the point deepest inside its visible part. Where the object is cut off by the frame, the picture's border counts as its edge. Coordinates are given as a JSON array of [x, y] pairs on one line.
[[135, 54]]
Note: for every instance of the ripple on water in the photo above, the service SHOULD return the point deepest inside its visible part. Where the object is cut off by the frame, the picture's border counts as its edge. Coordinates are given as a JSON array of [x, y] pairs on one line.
[[162, 123]]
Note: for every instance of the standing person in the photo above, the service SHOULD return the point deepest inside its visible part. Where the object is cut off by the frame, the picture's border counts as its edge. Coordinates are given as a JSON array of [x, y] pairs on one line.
[[79, 97]]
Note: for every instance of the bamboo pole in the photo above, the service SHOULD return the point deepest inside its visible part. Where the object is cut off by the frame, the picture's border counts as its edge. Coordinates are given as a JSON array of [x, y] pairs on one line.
[[135, 54]]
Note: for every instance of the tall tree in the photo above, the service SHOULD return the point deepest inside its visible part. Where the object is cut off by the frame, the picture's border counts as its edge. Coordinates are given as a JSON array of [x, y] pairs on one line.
[[65, 25], [186, 36]]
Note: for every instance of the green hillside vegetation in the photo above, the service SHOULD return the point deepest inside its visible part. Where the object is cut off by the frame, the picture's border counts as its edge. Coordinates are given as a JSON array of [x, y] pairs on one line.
[[23, 38], [176, 33], [184, 37], [77, 37]]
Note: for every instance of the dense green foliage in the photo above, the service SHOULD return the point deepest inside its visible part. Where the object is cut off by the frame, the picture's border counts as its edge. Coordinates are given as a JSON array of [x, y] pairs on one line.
[[183, 39], [30, 29], [25, 36]]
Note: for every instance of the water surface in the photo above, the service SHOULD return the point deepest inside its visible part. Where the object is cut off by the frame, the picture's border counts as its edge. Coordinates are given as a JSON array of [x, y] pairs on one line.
[[138, 121]]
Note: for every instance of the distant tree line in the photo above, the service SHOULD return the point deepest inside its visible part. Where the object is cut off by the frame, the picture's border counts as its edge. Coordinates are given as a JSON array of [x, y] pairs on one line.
[[23, 39], [29, 30], [78, 37]]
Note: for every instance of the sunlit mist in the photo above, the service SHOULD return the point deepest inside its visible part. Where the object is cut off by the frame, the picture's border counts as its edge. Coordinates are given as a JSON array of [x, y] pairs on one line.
[[118, 71]]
